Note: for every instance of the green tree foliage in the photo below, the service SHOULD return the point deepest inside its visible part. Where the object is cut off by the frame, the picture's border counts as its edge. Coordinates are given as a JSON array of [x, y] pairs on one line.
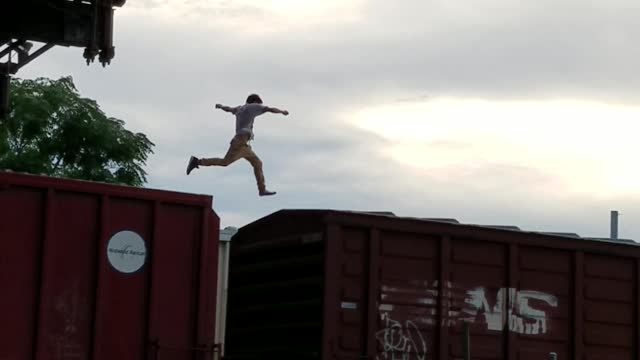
[[52, 130]]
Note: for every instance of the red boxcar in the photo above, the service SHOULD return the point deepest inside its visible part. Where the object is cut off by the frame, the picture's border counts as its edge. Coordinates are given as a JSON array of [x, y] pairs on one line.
[[96, 271], [338, 285]]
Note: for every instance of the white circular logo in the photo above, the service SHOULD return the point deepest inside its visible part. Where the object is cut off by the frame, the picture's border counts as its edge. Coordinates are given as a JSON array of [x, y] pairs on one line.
[[126, 252]]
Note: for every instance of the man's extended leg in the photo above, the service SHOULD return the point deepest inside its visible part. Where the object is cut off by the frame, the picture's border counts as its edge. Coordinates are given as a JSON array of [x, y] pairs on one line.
[[234, 153], [256, 163]]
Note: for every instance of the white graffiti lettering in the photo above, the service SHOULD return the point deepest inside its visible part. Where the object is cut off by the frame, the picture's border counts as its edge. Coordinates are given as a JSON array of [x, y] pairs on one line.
[[522, 317], [519, 311], [401, 342]]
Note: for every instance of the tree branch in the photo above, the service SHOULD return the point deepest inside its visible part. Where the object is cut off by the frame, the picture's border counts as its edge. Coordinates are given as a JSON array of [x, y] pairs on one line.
[[55, 166]]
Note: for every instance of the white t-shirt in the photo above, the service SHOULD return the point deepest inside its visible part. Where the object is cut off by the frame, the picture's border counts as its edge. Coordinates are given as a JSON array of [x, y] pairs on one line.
[[245, 115]]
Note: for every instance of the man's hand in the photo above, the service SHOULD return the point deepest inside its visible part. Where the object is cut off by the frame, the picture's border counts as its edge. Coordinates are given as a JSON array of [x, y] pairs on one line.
[[285, 113], [218, 106]]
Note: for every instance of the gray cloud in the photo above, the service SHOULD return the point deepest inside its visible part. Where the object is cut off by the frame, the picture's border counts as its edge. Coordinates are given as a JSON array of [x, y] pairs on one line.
[[168, 74], [547, 49]]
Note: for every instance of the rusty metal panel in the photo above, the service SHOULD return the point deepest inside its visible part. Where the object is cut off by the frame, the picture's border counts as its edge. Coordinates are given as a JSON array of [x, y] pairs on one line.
[[397, 288], [610, 303], [408, 295], [96, 271], [20, 269], [543, 323]]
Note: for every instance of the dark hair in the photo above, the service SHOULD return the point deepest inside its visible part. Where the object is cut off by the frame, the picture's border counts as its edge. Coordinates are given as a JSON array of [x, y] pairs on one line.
[[254, 99]]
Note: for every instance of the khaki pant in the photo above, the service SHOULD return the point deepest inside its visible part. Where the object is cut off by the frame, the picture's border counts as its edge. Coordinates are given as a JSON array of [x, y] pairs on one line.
[[239, 148]]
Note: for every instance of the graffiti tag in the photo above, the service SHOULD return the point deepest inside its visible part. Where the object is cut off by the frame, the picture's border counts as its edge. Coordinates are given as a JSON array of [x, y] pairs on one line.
[[401, 341]]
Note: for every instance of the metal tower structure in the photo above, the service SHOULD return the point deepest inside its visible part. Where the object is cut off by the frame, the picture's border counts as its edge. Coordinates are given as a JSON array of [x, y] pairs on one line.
[[86, 24]]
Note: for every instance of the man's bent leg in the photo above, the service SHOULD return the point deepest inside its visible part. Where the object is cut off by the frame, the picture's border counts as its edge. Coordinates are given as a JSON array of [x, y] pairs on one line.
[[234, 153]]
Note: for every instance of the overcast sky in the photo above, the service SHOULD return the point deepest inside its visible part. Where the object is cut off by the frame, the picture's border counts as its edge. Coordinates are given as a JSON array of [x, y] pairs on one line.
[[498, 112]]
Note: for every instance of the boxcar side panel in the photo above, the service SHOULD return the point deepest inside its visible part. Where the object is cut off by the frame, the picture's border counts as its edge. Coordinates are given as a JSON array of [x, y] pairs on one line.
[[521, 301]]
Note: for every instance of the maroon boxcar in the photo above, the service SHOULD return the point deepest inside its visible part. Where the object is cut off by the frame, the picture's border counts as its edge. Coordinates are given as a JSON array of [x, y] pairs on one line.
[[97, 271], [308, 284]]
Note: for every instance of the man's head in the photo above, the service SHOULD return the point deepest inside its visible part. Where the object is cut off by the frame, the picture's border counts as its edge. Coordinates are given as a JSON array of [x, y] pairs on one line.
[[254, 99]]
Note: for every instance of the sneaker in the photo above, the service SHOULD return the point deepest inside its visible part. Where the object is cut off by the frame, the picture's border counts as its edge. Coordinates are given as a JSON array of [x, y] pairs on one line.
[[267, 193], [193, 164]]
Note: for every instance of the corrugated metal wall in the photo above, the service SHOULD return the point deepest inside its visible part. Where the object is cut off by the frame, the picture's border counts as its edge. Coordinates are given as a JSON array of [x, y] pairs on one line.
[[275, 300]]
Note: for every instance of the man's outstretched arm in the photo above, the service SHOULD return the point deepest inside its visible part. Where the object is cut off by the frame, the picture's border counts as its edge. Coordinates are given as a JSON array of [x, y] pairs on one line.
[[230, 109], [277, 111]]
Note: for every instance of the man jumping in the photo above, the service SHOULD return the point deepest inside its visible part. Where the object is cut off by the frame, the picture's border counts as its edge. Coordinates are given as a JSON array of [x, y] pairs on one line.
[[239, 147]]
